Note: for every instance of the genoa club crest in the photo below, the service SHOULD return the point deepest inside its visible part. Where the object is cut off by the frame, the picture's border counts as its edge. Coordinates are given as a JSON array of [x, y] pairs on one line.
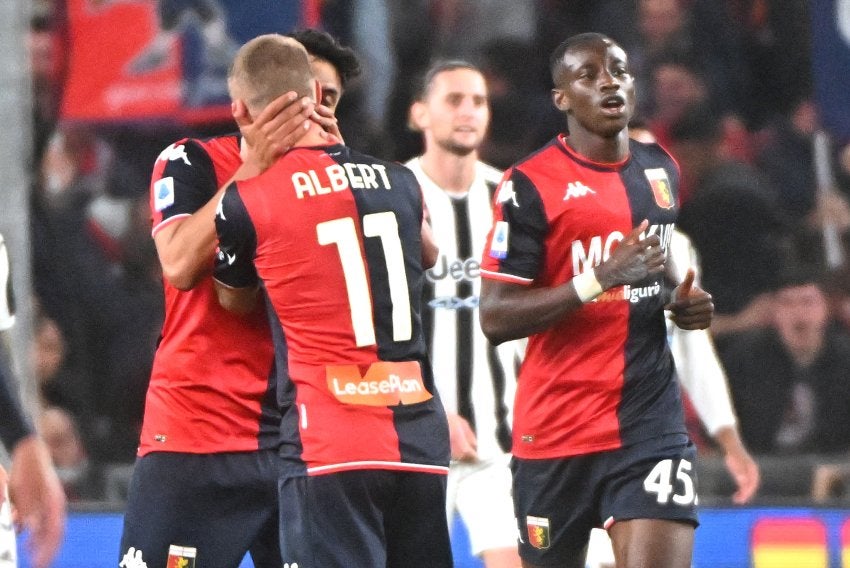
[[660, 184], [538, 532], [181, 556]]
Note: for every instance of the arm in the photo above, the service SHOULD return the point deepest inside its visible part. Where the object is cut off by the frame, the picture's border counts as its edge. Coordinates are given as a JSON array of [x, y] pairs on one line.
[[236, 280], [186, 246], [34, 486], [512, 311]]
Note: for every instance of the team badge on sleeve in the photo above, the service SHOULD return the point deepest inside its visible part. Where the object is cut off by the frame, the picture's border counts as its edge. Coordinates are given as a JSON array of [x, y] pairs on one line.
[[163, 193], [660, 187], [181, 556], [538, 532], [499, 244]]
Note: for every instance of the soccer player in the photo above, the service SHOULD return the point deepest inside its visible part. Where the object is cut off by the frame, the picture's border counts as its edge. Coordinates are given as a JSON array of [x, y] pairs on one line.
[[211, 422], [476, 380], [35, 488], [333, 239], [575, 260]]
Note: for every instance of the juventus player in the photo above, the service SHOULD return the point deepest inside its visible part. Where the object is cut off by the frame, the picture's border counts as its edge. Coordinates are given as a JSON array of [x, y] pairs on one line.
[[476, 380]]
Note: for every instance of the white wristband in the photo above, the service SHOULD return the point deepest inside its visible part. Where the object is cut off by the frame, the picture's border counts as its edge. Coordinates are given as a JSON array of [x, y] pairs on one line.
[[587, 286]]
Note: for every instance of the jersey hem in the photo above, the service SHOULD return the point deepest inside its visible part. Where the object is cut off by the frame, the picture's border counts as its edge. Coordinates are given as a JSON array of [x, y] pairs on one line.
[[359, 465]]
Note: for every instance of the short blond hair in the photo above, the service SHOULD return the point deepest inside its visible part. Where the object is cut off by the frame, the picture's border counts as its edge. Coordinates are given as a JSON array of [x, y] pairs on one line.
[[267, 67]]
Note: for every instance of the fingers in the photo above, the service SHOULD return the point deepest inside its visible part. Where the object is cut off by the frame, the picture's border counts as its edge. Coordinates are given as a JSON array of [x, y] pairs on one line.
[[634, 236], [687, 283]]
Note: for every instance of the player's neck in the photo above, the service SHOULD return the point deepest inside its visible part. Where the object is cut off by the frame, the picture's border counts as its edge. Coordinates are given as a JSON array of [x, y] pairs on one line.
[[600, 149], [454, 174]]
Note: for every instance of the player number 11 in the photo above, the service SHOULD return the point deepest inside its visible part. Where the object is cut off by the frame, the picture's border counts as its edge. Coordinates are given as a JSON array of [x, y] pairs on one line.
[[343, 233]]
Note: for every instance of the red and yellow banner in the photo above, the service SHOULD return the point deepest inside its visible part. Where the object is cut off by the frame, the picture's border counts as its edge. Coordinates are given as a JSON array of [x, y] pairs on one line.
[[790, 543]]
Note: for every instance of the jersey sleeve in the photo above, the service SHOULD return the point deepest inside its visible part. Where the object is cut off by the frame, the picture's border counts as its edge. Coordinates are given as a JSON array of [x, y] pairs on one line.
[[7, 299], [514, 248], [237, 242], [184, 180]]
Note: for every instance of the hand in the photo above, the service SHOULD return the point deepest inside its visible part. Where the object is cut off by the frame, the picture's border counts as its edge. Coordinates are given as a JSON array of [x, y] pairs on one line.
[[462, 438], [740, 464], [38, 499], [691, 306], [273, 131], [325, 117], [633, 260]]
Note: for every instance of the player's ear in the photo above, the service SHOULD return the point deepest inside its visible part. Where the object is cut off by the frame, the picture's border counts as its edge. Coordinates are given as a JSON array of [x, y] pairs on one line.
[[417, 116], [561, 100], [317, 91], [240, 112]]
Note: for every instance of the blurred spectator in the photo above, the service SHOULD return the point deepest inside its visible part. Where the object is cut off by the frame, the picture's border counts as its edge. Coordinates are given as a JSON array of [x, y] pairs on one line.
[[779, 76], [44, 43], [78, 475], [733, 222], [789, 381]]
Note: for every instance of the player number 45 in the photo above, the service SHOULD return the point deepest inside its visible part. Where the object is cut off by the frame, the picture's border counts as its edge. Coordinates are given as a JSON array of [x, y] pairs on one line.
[[660, 481]]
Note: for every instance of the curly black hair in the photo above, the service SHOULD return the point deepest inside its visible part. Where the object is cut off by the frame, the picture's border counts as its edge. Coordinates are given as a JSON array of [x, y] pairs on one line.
[[324, 46]]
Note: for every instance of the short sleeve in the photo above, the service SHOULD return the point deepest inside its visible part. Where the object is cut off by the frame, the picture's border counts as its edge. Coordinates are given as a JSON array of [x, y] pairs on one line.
[[237, 242]]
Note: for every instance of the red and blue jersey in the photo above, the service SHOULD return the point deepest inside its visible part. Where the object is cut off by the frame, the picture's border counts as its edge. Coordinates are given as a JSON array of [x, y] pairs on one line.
[[603, 376], [334, 238], [211, 387]]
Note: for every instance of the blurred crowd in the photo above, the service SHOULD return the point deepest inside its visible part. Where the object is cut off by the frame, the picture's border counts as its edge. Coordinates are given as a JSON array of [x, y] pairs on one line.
[[725, 85]]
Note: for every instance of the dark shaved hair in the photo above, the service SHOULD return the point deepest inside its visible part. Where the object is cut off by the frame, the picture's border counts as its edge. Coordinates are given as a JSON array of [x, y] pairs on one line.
[[556, 60]]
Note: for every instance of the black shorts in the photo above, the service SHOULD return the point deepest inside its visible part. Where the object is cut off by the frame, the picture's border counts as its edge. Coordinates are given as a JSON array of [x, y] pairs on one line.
[[558, 501], [221, 505], [364, 519]]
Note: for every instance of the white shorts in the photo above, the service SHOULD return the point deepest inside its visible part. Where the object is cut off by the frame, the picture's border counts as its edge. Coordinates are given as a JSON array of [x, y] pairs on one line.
[[600, 553], [480, 493]]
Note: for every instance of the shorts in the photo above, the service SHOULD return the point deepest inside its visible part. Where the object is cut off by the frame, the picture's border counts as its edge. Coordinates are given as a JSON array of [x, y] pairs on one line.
[[215, 506], [365, 518], [558, 501], [480, 493]]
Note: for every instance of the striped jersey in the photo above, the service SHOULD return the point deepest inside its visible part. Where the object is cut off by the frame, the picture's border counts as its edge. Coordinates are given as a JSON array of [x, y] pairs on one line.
[[475, 379], [335, 238], [211, 387], [603, 376]]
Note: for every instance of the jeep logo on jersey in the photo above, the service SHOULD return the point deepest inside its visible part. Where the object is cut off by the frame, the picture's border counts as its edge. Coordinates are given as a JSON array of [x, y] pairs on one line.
[[175, 152], [538, 532], [660, 185], [181, 556], [386, 383], [469, 269], [577, 189]]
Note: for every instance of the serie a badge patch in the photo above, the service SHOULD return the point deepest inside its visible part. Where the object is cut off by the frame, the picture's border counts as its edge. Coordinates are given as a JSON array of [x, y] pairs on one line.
[[181, 556], [660, 184], [538, 532]]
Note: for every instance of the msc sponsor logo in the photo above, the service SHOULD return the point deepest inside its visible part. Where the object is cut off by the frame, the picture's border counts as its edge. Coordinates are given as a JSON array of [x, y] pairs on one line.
[[385, 383], [589, 253]]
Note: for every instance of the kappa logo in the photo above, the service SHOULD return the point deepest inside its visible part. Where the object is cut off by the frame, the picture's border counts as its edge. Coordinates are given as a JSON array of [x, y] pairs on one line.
[[507, 193], [132, 559], [577, 189], [219, 209], [175, 152]]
